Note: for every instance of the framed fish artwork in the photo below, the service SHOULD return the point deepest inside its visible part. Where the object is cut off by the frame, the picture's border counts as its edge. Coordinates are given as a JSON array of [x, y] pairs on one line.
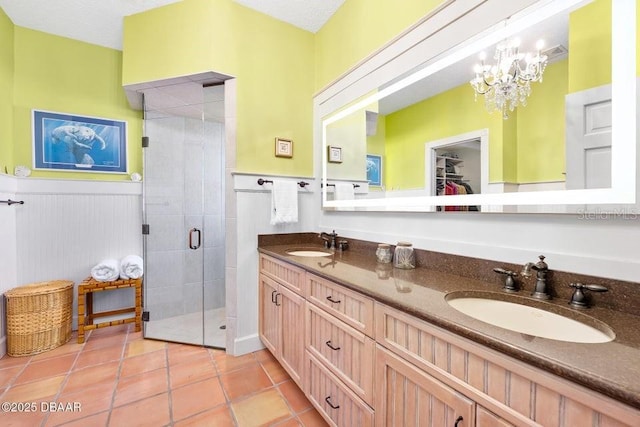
[[67, 142]]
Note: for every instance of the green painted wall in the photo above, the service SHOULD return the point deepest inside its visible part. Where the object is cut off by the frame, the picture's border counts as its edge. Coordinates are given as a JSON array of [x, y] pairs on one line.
[[63, 75], [358, 29], [6, 93], [272, 60], [435, 118], [541, 128]]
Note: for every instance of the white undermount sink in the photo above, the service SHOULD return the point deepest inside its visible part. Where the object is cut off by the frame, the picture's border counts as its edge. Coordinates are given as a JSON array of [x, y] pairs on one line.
[[530, 320], [308, 253]]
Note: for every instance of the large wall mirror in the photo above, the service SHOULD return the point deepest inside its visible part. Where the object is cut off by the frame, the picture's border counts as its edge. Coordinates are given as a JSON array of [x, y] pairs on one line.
[[536, 114]]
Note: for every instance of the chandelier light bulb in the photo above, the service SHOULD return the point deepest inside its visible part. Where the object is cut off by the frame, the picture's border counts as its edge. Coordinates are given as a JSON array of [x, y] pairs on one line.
[[506, 84]]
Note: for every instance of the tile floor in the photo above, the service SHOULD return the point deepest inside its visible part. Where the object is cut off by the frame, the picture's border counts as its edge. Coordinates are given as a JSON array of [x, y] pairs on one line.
[[117, 378]]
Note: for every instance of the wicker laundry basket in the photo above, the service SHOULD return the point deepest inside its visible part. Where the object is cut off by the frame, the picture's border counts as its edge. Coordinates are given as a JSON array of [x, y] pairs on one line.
[[38, 317]]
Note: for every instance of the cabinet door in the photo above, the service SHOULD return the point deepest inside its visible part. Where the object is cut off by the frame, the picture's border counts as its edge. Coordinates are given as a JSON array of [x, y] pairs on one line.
[[268, 314], [291, 311], [485, 418], [407, 396]]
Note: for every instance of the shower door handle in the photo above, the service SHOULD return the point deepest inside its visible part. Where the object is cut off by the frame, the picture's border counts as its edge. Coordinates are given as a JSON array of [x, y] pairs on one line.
[[191, 244]]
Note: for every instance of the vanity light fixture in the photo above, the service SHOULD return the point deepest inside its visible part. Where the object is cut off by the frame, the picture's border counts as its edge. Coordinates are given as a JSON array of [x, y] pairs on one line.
[[507, 84]]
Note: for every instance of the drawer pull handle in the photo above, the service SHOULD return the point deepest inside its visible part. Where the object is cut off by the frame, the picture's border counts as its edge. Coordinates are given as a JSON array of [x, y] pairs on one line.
[[330, 299], [277, 295], [328, 400], [458, 421], [273, 300], [328, 343]]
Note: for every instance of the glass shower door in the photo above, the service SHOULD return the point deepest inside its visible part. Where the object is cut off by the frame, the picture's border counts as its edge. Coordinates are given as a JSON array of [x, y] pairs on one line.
[[174, 211]]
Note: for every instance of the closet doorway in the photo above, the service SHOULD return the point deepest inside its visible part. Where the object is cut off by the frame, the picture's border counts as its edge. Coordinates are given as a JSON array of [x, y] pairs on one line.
[[183, 212]]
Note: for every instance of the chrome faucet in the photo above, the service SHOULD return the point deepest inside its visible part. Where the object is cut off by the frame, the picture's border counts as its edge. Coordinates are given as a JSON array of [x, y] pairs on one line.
[[541, 268], [329, 239]]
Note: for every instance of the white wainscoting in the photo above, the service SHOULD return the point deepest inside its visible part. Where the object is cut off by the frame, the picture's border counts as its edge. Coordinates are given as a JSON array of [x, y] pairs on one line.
[[8, 273], [253, 213], [64, 228]]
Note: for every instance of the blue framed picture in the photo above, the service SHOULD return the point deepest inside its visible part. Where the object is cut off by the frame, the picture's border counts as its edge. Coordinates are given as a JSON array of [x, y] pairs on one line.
[[67, 142], [374, 169]]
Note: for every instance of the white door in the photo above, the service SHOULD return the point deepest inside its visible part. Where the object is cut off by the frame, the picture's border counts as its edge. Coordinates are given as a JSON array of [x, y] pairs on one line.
[[588, 138]]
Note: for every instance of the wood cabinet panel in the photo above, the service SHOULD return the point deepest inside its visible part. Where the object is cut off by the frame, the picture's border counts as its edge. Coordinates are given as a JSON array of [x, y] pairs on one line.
[[335, 402], [515, 391], [292, 308], [351, 307], [268, 314], [348, 353], [408, 397], [284, 273], [485, 418]]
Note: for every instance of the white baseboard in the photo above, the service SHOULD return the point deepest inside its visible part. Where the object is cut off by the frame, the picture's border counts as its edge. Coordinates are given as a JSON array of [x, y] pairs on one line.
[[247, 344]]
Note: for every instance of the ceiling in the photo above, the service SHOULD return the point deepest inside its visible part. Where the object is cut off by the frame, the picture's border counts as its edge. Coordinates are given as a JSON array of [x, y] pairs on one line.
[[100, 21]]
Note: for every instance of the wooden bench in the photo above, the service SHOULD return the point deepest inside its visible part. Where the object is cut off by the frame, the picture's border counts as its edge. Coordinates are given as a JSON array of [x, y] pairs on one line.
[[86, 315]]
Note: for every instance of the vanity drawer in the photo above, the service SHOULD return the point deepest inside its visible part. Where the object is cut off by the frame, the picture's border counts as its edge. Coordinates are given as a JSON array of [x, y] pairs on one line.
[[290, 276], [346, 352], [351, 307], [337, 404]]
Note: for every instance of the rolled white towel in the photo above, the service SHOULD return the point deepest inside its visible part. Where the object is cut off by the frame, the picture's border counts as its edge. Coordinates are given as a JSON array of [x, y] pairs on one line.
[[106, 270], [131, 267]]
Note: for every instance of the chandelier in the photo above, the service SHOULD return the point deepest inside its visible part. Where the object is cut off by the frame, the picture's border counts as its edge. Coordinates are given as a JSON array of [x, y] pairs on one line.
[[507, 84]]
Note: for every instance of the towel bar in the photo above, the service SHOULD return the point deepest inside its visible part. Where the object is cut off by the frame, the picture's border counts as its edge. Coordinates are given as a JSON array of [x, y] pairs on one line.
[[12, 202], [268, 181]]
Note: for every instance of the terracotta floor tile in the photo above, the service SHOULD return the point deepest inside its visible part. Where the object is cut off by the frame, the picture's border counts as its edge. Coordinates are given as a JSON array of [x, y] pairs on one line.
[[197, 397], [92, 400], [245, 382], [7, 375], [132, 336], [227, 363], [219, 417], [97, 357], [181, 353], [292, 422], [42, 369], [92, 420], [143, 363], [294, 396], [141, 386], [312, 418], [68, 348], [11, 362], [264, 355], [138, 347], [150, 412], [104, 341], [25, 419], [93, 375], [191, 372], [34, 390], [120, 330], [261, 409], [275, 371]]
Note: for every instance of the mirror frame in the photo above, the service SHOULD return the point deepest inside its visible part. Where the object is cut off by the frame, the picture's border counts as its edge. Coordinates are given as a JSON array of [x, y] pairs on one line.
[[623, 107]]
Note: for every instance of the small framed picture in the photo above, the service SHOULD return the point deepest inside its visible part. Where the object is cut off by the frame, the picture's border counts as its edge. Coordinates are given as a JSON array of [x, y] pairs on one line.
[[335, 154], [284, 147], [374, 169]]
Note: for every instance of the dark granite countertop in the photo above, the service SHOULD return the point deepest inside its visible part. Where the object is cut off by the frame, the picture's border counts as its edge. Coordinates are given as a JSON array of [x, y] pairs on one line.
[[611, 368]]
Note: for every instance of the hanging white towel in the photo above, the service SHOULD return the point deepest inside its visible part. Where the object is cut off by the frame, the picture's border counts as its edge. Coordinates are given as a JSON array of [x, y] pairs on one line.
[[131, 267], [344, 191], [284, 202], [106, 270]]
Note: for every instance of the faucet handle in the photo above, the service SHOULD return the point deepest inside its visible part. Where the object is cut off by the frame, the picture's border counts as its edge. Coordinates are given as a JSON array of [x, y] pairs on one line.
[[509, 283], [579, 299]]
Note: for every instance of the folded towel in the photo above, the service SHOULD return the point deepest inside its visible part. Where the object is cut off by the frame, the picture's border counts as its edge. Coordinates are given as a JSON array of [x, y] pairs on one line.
[[131, 267], [344, 191], [284, 202], [106, 270]]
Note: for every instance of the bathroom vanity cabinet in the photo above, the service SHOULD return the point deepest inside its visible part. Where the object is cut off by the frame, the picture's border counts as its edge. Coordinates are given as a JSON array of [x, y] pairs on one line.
[[362, 362]]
